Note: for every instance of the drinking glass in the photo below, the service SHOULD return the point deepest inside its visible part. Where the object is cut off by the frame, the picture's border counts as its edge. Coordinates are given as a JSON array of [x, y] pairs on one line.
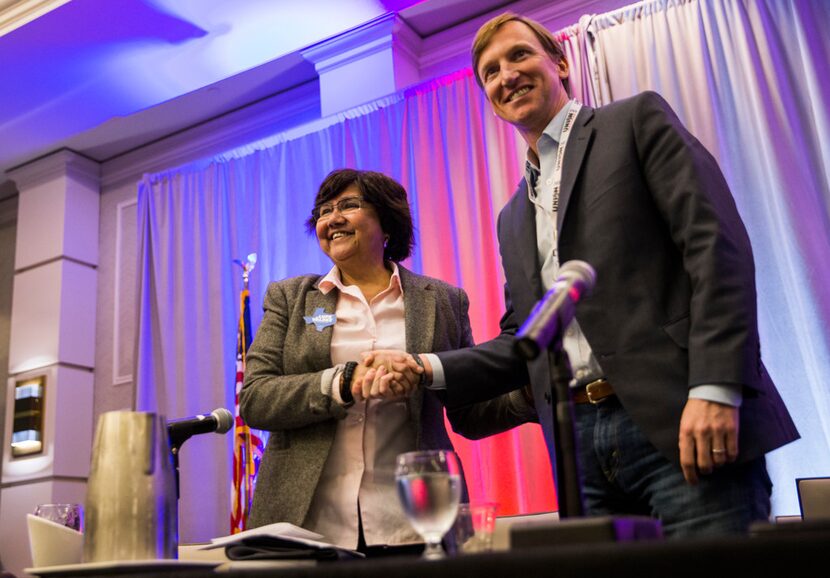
[[69, 515], [474, 527], [429, 486]]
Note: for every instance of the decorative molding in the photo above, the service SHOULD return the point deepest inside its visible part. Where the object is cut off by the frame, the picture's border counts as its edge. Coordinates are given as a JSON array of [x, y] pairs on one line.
[[407, 40], [326, 59], [63, 162], [42, 479], [449, 44], [38, 368], [382, 33], [52, 260], [117, 377], [383, 54]]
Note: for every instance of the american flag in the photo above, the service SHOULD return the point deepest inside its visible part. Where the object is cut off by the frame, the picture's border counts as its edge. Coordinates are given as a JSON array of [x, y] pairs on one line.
[[248, 445]]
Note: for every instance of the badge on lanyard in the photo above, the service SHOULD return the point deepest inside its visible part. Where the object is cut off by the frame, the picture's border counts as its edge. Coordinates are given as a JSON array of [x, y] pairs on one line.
[[320, 319]]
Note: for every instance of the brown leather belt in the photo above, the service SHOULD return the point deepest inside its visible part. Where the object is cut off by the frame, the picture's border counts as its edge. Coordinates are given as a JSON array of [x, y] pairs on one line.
[[593, 392]]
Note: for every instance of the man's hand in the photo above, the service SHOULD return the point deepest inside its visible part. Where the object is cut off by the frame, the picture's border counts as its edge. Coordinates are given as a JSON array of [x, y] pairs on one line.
[[392, 374], [708, 437]]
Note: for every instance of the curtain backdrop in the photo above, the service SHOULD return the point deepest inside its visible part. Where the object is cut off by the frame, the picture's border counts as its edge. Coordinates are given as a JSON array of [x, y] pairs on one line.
[[748, 78]]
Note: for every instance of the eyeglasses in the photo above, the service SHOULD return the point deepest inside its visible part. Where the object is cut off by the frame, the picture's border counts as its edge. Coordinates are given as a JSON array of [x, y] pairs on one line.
[[344, 206]]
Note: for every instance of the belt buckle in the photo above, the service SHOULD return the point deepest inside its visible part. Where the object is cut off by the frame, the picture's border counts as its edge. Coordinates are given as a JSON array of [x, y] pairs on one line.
[[589, 391]]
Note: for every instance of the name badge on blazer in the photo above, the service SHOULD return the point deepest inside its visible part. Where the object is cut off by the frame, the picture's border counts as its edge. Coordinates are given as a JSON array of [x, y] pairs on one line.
[[320, 319]]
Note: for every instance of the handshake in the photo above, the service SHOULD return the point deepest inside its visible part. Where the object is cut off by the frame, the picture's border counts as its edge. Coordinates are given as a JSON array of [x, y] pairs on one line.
[[387, 374]]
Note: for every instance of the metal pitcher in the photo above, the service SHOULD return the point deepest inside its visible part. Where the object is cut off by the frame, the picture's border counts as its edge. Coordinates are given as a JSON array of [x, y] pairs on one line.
[[131, 506]]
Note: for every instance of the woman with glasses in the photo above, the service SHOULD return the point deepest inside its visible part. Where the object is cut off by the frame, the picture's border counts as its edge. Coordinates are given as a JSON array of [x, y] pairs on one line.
[[330, 461]]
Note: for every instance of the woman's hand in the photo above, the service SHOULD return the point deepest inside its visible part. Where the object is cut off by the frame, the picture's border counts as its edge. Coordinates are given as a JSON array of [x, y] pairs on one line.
[[386, 374]]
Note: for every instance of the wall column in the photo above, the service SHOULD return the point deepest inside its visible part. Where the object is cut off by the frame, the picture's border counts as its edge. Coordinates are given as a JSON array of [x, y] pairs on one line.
[[366, 63], [52, 335]]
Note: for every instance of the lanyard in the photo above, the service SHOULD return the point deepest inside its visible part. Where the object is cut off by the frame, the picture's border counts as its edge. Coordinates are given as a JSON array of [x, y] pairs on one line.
[[557, 172]]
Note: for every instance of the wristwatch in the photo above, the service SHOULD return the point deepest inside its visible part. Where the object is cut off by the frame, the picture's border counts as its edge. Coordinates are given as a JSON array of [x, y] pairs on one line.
[[346, 384], [420, 362]]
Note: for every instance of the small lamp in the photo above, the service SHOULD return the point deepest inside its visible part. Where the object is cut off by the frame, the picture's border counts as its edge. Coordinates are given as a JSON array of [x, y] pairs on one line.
[[27, 431]]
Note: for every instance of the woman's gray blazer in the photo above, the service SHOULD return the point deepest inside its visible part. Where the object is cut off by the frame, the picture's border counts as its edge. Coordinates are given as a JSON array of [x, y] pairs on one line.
[[282, 388]]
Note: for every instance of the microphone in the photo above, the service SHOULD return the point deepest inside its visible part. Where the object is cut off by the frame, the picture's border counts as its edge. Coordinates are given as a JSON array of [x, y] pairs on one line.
[[555, 310], [219, 420]]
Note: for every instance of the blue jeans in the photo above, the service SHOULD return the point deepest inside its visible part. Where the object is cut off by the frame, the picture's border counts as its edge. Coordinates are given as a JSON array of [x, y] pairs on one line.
[[622, 473]]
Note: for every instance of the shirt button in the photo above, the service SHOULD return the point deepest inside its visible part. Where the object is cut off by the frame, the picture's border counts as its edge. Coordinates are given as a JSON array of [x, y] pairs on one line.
[[549, 182]]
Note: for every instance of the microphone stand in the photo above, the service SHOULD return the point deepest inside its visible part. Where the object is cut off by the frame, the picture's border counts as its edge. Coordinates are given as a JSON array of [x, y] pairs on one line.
[[175, 448], [574, 527], [177, 436], [545, 328], [175, 452], [569, 492]]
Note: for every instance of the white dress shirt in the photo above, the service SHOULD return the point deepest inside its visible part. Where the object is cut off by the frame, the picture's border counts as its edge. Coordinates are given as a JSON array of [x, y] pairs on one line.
[[360, 468]]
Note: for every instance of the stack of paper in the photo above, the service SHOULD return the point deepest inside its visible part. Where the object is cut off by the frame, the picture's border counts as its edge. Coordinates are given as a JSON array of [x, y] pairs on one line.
[[280, 541]]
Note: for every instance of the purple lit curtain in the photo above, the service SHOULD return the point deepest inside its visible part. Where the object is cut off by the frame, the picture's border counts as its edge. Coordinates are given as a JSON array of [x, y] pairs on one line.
[[748, 78]]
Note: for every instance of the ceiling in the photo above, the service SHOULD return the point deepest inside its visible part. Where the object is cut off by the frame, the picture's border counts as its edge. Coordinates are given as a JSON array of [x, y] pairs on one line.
[[103, 77]]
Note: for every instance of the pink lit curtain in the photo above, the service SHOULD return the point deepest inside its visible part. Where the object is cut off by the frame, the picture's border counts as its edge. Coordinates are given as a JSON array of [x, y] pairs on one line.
[[749, 78]]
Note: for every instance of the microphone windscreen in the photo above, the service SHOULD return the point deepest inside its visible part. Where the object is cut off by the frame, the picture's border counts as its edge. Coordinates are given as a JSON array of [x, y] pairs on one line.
[[224, 419], [579, 271]]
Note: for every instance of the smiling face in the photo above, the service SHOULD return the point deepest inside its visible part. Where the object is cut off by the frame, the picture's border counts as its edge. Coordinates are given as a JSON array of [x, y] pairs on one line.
[[522, 82], [353, 239]]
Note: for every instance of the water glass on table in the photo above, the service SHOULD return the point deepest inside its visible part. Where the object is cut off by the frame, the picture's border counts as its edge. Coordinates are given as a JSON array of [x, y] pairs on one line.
[[429, 486], [69, 515], [474, 527]]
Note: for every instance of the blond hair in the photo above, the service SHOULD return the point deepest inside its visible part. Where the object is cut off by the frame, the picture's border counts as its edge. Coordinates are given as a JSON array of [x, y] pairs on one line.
[[485, 35]]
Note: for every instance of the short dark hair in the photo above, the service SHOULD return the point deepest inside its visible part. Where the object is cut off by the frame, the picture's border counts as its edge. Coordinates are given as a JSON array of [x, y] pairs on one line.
[[485, 35], [387, 197]]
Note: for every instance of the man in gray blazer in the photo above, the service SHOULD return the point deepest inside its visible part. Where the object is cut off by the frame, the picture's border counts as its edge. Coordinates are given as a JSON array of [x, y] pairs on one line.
[[674, 408]]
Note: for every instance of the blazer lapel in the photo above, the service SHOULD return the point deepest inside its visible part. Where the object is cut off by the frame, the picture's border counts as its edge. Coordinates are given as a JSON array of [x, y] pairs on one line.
[[574, 155], [523, 224], [419, 305]]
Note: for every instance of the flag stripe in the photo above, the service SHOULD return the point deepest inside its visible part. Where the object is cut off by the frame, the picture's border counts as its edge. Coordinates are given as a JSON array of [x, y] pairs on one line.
[[249, 444]]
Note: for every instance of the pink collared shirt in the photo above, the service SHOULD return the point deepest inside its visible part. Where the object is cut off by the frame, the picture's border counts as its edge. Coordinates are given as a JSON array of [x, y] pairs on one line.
[[360, 468]]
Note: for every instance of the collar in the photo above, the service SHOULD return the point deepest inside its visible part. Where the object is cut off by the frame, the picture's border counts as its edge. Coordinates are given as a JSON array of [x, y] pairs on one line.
[[332, 280], [551, 132]]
